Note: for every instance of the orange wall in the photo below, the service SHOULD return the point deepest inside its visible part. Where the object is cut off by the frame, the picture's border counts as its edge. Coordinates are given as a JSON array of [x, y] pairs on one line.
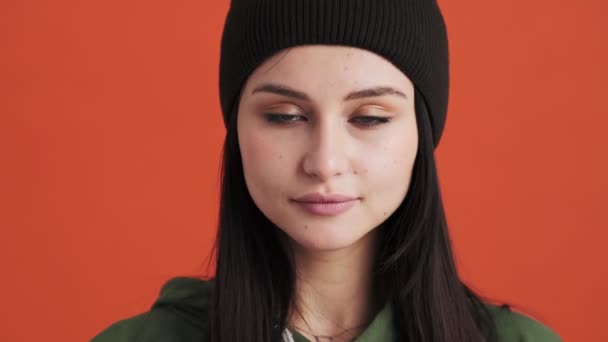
[[110, 133]]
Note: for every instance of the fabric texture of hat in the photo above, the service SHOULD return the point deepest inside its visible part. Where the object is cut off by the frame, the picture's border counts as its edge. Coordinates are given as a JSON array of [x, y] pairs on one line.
[[411, 34]]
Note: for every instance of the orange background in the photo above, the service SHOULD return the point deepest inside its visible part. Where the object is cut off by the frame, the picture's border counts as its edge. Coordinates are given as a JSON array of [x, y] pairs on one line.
[[110, 136]]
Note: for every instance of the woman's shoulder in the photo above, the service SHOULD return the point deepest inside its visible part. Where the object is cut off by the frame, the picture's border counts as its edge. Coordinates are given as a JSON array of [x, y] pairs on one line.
[[178, 314], [514, 326]]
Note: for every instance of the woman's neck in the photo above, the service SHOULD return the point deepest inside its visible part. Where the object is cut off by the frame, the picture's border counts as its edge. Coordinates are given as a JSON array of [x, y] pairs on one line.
[[334, 290]]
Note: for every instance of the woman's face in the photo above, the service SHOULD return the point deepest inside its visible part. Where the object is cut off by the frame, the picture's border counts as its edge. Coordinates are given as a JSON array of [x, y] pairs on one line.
[[327, 120]]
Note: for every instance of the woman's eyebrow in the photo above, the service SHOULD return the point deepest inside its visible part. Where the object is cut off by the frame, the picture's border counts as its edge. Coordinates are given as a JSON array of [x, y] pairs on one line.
[[283, 90], [374, 92]]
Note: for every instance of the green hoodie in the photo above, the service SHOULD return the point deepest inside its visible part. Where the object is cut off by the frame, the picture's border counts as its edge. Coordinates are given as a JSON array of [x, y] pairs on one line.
[[181, 309]]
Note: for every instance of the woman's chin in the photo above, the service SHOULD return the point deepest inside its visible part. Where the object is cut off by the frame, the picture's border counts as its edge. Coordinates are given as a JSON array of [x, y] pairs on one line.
[[325, 240]]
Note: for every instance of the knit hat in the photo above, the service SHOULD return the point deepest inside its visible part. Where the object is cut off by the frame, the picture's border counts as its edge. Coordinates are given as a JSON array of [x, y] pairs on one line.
[[411, 34]]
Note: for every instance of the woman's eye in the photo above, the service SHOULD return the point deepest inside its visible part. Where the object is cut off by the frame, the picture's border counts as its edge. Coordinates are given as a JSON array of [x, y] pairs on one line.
[[281, 119], [285, 119], [371, 120]]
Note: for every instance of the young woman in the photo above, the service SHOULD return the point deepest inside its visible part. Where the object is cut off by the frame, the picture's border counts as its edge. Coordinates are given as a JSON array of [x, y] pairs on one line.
[[331, 220]]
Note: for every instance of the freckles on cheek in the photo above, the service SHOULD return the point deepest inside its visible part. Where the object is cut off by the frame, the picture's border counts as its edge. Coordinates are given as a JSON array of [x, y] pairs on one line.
[[264, 150], [388, 157], [272, 161], [394, 162]]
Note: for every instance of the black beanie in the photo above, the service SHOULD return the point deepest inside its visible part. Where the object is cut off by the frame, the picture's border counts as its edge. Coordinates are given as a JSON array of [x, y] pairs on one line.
[[411, 34]]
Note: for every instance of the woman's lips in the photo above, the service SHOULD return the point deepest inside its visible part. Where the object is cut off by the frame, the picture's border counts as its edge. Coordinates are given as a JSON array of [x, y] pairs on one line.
[[326, 208]]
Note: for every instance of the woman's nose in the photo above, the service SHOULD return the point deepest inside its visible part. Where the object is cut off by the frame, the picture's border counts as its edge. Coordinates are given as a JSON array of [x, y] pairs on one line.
[[326, 151]]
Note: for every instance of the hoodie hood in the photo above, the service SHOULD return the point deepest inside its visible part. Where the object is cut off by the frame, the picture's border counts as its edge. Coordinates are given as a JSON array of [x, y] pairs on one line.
[[187, 297]]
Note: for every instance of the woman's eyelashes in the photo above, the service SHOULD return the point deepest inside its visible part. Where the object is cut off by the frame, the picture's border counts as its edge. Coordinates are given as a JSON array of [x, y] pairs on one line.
[[282, 119]]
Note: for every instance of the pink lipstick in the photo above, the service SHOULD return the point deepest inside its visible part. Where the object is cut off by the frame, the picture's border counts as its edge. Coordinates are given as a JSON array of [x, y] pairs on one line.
[[326, 205]]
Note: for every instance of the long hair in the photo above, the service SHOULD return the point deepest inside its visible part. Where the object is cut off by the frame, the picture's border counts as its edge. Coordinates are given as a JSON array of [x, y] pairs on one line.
[[255, 280]]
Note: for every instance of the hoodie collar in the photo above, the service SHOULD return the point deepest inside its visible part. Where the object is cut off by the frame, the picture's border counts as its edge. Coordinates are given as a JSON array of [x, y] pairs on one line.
[[380, 329], [190, 297]]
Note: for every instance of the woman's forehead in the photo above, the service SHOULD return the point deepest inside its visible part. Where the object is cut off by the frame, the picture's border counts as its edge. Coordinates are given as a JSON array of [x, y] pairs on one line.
[[325, 67]]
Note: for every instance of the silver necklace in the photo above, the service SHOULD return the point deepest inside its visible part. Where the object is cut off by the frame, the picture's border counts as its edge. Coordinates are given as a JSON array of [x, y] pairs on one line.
[[323, 338]]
